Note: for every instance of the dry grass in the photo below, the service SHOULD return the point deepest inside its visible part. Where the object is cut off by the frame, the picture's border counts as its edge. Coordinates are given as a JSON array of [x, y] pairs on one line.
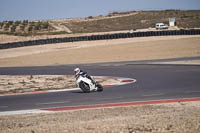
[[165, 118]]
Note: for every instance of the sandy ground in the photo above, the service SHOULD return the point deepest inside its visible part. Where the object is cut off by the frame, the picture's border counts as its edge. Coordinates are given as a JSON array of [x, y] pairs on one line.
[[161, 118], [32, 83], [131, 49]]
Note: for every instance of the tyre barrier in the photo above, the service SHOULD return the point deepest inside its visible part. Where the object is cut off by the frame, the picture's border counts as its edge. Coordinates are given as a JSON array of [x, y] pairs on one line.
[[99, 37]]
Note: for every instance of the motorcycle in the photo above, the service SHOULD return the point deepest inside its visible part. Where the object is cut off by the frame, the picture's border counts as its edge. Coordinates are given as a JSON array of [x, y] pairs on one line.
[[87, 85]]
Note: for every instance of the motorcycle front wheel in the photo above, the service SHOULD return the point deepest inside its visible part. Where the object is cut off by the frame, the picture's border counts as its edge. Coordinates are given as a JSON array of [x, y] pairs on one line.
[[84, 87]]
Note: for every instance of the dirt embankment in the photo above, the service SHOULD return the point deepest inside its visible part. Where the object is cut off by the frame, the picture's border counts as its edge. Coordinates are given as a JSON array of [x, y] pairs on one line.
[[163, 118], [132, 49]]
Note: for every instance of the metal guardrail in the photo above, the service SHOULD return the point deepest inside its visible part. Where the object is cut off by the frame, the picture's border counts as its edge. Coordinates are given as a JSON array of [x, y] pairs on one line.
[[99, 37]]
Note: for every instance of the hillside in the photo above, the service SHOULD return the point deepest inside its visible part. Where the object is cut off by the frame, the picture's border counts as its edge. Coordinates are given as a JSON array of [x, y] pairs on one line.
[[112, 22], [135, 20]]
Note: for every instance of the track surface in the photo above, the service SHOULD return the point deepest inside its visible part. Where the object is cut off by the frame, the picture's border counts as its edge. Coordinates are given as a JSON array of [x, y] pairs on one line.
[[154, 82]]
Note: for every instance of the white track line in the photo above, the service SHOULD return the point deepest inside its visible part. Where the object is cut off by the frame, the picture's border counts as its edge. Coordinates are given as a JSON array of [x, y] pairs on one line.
[[23, 112], [73, 89], [52, 103], [159, 94]]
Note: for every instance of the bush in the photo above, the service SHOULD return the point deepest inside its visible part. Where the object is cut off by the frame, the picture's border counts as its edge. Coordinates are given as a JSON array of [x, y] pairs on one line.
[[90, 17], [45, 25], [22, 27], [25, 21], [17, 23], [7, 26], [13, 28], [30, 28], [37, 26], [115, 12], [1, 25], [10, 22]]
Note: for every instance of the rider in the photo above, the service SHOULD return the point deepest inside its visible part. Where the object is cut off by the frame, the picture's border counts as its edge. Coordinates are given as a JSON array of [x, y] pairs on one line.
[[79, 72]]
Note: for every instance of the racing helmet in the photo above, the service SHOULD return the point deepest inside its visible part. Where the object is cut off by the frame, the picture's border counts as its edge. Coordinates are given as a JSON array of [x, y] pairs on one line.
[[77, 71]]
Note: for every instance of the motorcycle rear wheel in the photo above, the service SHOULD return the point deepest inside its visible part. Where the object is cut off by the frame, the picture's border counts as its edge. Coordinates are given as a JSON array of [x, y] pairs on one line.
[[99, 87]]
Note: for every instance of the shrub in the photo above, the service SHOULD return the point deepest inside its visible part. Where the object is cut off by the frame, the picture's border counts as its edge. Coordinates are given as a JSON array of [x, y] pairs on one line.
[[1, 25], [10, 22], [30, 28], [6, 27], [22, 27], [90, 17], [25, 21], [17, 23], [37, 26], [115, 12], [45, 25], [13, 28]]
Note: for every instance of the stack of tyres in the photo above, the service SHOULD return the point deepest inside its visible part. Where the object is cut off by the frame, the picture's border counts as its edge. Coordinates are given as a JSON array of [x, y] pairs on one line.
[[99, 37]]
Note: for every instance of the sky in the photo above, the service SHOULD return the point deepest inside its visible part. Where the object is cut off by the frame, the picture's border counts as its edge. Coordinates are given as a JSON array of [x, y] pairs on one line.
[[54, 9]]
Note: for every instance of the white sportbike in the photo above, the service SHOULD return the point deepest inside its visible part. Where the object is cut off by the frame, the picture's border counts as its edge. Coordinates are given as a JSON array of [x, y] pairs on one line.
[[87, 85]]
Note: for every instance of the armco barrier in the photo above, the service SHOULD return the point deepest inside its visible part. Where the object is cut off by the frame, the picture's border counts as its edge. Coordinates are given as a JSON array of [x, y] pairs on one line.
[[99, 37]]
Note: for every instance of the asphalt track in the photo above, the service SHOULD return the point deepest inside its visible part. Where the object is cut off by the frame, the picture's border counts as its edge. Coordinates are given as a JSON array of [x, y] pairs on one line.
[[154, 82]]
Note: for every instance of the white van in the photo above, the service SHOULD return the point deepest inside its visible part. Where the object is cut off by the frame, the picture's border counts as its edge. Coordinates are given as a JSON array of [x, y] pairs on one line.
[[161, 26]]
